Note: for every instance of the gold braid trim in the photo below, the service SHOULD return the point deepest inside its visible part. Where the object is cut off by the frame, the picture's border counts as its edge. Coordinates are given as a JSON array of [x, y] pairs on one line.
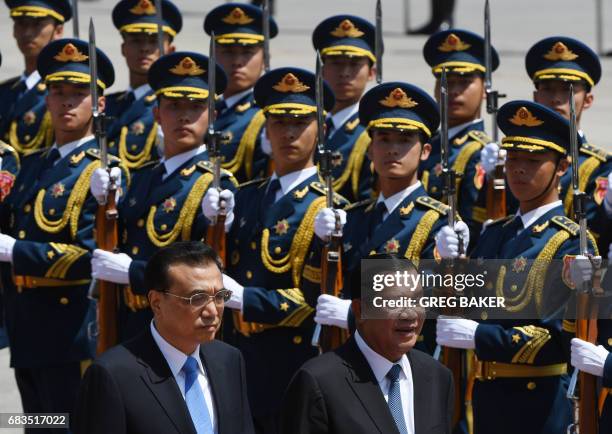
[[585, 171], [535, 278], [69, 255], [538, 338], [73, 206], [133, 161], [295, 295], [462, 160], [184, 223], [421, 233], [296, 317], [246, 147], [42, 139], [354, 164], [299, 246]]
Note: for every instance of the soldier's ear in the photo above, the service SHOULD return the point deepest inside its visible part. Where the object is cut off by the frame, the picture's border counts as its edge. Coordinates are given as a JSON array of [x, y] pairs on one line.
[[58, 32], [562, 166], [372, 73], [102, 103], [425, 151], [154, 298], [171, 49], [588, 100]]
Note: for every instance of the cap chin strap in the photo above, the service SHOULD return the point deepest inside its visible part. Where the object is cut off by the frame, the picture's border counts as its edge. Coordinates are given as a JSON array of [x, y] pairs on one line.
[[549, 182]]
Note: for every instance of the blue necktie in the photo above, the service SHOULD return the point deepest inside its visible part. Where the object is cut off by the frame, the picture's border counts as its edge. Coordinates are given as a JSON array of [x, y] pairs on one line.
[[194, 397], [395, 399]]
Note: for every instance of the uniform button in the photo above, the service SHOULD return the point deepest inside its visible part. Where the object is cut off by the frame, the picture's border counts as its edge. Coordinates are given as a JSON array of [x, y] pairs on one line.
[[134, 147], [64, 300], [52, 211], [27, 208], [434, 189], [135, 250], [27, 137], [484, 316], [277, 250], [610, 342], [249, 275], [21, 235], [513, 288], [253, 245], [297, 340], [140, 223], [164, 227], [531, 385]]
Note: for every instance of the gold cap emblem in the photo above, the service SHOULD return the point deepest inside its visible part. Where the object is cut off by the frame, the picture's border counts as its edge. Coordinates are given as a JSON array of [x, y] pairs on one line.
[[144, 7], [398, 98], [70, 53], [290, 83], [187, 67], [453, 43], [524, 117], [346, 29], [559, 51], [237, 16]]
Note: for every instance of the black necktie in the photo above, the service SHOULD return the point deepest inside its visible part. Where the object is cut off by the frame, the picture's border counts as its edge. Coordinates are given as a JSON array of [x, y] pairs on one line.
[[130, 99], [329, 127], [377, 217], [158, 173], [52, 156], [270, 196], [515, 226], [221, 106]]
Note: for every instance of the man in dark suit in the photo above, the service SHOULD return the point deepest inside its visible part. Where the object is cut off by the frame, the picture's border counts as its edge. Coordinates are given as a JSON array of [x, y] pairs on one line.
[[172, 378], [375, 382]]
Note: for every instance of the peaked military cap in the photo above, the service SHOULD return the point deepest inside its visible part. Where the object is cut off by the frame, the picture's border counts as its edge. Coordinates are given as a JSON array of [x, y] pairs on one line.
[[532, 127], [290, 91], [345, 35], [563, 58], [399, 106], [238, 24], [139, 16], [67, 60], [184, 74], [459, 51], [61, 10]]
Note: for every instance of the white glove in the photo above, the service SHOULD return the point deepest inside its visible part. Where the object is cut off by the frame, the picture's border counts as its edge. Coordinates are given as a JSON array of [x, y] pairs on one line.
[[588, 357], [111, 267], [211, 205], [325, 222], [100, 182], [332, 311], [489, 156], [6, 248], [456, 332], [235, 302], [608, 199], [447, 241], [581, 269]]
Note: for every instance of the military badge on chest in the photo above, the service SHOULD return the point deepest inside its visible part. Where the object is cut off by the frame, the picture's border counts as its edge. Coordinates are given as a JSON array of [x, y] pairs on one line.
[[169, 205], [281, 227], [58, 190], [392, 246]]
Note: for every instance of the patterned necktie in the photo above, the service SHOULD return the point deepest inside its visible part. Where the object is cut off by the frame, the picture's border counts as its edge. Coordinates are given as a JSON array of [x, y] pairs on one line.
[[377, 217], [395, 398], [194, 397]]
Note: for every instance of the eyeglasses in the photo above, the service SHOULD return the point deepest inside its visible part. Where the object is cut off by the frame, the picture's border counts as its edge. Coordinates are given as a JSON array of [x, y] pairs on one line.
[[202, 299]]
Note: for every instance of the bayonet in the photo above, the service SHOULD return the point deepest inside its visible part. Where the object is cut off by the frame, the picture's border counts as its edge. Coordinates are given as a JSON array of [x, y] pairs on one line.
[[492, 95], [378, 42], [160, 26], [266, 33], [75, 19], [579, 196]]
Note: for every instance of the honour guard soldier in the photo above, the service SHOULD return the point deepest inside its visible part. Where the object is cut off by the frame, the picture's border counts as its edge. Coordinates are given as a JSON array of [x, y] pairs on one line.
[[239, 38], [163, 204], [346, 44], [274, 253], [462, 54], [134, 135], [24, 121], [521, 364], [47, 238]]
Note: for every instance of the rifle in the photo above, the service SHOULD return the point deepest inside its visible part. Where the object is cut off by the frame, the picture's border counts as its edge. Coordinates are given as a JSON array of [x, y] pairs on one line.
[[266, 33], [378, 43], [585, 403], [328, 337], [496, 190], [160, 26], [106, 217], [75, 19]]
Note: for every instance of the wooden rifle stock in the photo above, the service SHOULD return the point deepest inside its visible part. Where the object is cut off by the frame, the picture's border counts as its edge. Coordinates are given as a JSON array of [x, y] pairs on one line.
[[496, 194], [586, 329], [331, 283], [215, 236]]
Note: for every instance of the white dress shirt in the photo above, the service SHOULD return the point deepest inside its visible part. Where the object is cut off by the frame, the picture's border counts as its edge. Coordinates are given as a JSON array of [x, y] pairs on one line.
[[178, 160], [452, 132], [291, 180], [380, 367], [140, 91], [31, 80], [341, 117], [532, 216], [176, 359], [67, 148], [393, 201]]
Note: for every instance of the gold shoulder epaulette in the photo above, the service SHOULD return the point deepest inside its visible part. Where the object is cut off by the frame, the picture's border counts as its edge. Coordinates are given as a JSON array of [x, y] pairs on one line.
[[41, 87], [260, 181], [5, 147], [594, 151], [10, 81], [351, 125], [241, 108], [95, 153], [150, 99], [434, 204], [320, 189], [360, 204], [479, 136], [207, 166], [567, 224]]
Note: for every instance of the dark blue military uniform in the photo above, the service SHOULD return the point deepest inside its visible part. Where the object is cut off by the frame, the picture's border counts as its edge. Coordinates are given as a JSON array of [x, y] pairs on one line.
[[241, 124], [24, 121]]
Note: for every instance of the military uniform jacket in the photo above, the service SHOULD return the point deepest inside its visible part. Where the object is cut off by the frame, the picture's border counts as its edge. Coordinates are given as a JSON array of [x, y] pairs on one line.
[[353, 176], [133, 132], [464, 158], [25, 123], [9, 168], [275, 254], [240, 145], [50, 319]]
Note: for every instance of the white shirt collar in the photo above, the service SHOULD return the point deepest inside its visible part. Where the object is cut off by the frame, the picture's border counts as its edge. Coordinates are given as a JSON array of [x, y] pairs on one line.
[[380, 365], [176, 358], [71, 146], [393, 201], [532, 216], [291, 180], [232, 100], [140, 91], [177, 161], [31, 80], [452, 132], [344, 115]]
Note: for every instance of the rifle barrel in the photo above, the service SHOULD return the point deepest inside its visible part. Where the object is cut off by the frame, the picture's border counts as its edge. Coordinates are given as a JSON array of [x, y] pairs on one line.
[[160, 26], [378, 43]]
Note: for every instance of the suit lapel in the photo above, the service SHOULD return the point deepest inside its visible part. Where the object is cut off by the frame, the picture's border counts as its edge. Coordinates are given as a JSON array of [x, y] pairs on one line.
[[421, 395], [220, 397]]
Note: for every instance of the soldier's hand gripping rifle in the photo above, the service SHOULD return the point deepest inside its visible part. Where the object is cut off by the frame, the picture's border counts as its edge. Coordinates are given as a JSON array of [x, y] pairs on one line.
[[496, 187], [328, 337], [106, 217], [160, 26], [216, 230], [585, 403], [378, 43]]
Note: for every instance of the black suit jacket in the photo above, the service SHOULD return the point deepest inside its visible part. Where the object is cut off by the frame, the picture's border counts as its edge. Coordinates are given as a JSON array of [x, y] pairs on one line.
[[338, 393], [131, 389]]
